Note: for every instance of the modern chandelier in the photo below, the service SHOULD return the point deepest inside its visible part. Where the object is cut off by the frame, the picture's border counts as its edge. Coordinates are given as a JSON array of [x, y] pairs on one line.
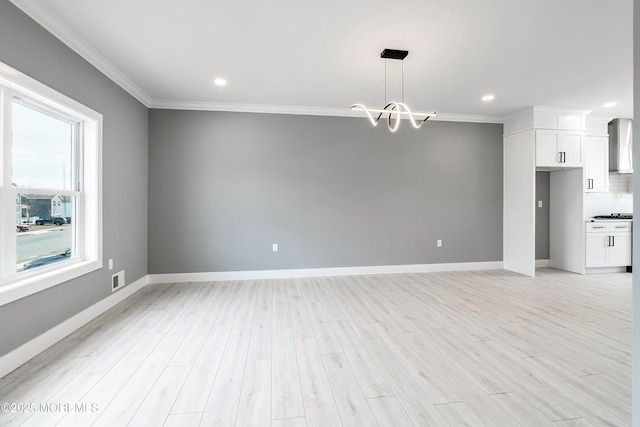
[[394, 111]]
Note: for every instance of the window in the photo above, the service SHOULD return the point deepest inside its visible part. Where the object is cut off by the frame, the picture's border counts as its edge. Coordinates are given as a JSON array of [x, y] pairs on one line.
[[50, 187]]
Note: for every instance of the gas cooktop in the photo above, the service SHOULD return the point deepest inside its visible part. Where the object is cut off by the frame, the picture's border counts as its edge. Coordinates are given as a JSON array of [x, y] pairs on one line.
[[615, 216]]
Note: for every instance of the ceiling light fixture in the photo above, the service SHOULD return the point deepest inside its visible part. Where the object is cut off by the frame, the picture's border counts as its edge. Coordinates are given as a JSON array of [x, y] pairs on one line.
[[609, 104], [488, 98], [220, 82], [394, 110]]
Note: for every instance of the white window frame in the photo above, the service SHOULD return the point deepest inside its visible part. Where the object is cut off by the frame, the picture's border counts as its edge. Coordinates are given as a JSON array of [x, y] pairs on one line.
[[87, 256]]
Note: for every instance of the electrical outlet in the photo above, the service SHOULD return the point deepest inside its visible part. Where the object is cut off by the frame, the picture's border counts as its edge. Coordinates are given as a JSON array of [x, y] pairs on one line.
[[439, 243], [275, 247], [117, 280], [111, 264], [539, 203]]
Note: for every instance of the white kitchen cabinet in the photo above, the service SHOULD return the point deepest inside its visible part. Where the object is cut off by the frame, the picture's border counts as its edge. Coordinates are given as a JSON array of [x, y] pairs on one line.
[[620, 249], [559, 148], [608, 244], [596, 172]]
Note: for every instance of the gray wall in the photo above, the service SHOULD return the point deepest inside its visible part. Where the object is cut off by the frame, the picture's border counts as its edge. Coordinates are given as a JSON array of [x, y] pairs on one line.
[[27, 47], [543, 186], [331, 191]]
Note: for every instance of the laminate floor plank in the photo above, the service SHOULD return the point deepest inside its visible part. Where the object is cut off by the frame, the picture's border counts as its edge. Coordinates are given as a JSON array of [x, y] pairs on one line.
[[286, 395], [319, 404], [459, 414], [156, 406], [322, 330], [195, 391], [42, 392], [289, 422], [255, 399], [221, 407], [112, 382], [121, 410], [192, 419], [488, 348], [364, 368], [352, 405], [413, 399], [389, 412], [300, 321], [575, 422], [195, 333], [260, 344], [71, 393], [526, 414]]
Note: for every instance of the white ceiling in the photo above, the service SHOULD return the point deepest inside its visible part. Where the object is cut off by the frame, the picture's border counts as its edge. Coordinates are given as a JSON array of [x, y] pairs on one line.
[[320, 57]]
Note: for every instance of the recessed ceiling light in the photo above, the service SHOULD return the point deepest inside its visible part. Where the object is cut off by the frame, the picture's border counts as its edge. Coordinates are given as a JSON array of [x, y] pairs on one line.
[[609, 104], [220, 82], [488, 98]]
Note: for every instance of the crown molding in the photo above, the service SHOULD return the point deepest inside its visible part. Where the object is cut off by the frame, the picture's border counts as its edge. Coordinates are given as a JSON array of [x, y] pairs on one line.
[[67, 36], [305, 111]]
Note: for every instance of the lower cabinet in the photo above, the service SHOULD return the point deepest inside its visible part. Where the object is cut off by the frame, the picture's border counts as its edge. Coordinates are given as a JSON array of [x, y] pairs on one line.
[[608, 244]]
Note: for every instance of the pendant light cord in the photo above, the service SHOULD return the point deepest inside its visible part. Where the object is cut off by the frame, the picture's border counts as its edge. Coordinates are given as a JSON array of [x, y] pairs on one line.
[[385, 82]]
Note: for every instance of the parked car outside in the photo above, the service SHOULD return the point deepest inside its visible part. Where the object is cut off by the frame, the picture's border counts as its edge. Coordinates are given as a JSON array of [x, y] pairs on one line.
[[47, 259], [22, 227], [56, 220]]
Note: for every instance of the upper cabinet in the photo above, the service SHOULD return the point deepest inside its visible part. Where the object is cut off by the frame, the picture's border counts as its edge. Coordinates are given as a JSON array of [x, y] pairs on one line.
[[596, 168], [559, 136], [596, 171], [559, 148]]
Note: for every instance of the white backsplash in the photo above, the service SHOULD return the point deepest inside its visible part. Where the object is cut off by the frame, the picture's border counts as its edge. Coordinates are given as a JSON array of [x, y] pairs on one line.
[[619, 199]]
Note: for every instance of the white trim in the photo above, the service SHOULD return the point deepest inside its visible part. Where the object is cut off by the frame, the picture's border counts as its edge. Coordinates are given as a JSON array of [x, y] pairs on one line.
[[543, 263], [27, 351], [66, 35], [89, 223], [41, 279], [164, 104], [321, 272]]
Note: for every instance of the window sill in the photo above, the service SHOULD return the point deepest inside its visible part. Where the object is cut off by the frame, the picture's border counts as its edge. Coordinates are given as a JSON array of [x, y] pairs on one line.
[[20, 286]]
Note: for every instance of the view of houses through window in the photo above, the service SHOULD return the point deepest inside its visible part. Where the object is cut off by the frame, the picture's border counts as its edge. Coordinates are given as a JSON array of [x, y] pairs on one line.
[[50, 187], [43, 173]]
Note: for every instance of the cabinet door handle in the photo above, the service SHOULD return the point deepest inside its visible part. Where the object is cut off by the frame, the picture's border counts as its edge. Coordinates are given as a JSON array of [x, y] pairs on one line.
[[591, 183], [598, 226], [564, 157], [613, 240], [620, 226]]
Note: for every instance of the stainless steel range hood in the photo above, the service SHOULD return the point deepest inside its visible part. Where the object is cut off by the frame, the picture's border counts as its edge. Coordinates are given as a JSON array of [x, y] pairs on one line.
[[621, 146]]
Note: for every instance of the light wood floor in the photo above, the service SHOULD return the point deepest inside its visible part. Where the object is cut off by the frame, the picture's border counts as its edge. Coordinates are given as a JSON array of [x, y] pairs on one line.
[[462, 348]]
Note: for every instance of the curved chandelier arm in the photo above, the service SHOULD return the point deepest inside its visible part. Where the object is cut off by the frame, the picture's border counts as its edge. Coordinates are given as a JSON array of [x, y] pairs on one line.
[[411, 117], [366, 110], [396, 109], [393, 108]]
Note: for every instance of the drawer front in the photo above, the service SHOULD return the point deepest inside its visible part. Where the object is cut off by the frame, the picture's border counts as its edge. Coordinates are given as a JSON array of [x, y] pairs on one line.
[[598, 227], [625, 226]]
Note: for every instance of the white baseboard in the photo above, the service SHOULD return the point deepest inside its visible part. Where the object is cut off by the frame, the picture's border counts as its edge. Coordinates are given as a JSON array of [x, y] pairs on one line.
[[543, 263], [321, 272], [27, 351]]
